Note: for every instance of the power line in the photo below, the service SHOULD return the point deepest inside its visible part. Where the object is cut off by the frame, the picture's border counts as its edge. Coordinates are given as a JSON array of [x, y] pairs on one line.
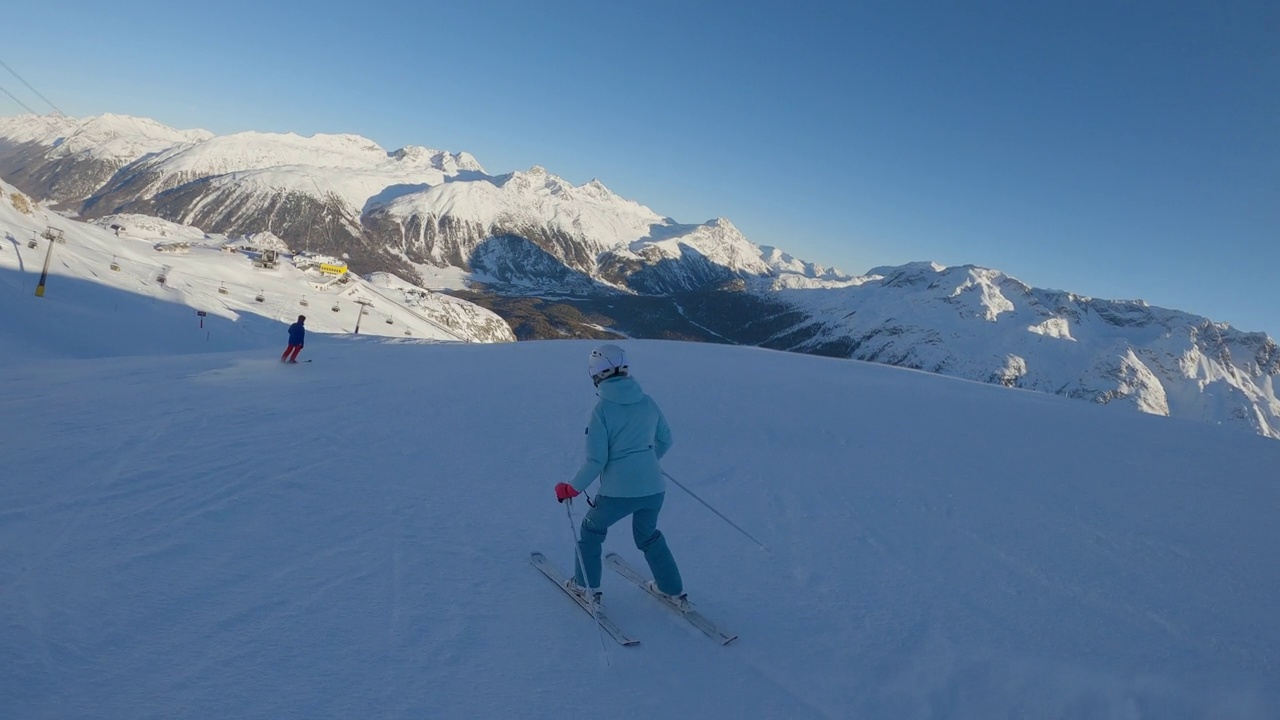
[[15, 99], [29, 87]]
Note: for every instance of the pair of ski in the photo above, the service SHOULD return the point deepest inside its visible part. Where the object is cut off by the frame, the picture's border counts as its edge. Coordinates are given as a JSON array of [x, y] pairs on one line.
[[615, 561]]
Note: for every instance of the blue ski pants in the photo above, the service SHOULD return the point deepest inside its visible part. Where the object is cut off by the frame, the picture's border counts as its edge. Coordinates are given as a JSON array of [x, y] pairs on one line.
[[644, 530]]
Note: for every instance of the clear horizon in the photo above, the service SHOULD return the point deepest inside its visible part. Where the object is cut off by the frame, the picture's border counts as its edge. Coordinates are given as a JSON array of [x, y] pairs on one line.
[[1115, 152]]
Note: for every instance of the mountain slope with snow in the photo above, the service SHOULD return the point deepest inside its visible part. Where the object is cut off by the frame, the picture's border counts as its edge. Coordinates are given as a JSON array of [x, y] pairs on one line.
[[348, 167], [981, 324], [401, 209], [175, 271], [68, 159], [433, 217], [216, 535]]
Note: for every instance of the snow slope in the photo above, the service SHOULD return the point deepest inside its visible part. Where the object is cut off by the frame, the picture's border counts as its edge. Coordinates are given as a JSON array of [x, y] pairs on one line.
[[215, 535], [117, 138], [84, 291], [69, 159], [981, 324], [347, 166]]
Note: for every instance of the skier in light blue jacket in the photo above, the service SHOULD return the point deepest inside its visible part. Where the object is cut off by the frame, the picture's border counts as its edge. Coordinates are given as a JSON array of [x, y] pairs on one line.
[[626, 436]]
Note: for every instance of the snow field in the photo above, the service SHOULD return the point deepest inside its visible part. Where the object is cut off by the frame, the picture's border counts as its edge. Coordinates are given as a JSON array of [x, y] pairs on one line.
[[217, 535]]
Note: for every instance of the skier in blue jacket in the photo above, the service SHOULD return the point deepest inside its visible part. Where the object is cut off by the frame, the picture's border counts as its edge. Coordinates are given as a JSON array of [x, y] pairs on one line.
[[297, 334], [626, 436]]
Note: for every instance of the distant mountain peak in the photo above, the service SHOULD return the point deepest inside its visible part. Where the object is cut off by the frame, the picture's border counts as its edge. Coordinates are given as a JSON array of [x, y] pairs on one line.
[[442, 160], [596, 189], [918, 267]]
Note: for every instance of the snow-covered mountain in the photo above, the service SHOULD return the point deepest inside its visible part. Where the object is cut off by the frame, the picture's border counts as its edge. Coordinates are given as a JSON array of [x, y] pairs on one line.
[[66, 160], [981, 324], [421, 214], [175, 270], [407, 210]]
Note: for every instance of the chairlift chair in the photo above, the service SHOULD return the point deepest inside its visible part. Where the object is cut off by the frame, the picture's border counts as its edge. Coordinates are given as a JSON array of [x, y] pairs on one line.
[[389, 322], [303, 302], [115, 265], [335, 307], [222, 289], [161, 279], [260, 297], [32, 244]]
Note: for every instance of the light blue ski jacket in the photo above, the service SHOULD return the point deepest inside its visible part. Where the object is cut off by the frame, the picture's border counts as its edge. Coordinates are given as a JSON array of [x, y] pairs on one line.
[[626, 435]]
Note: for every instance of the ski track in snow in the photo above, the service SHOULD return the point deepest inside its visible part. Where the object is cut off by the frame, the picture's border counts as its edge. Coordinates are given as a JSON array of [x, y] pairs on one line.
[[219, 535]]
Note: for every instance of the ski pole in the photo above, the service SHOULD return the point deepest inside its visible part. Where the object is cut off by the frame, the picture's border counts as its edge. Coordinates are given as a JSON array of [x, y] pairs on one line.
[[577, 551], [717, 512]]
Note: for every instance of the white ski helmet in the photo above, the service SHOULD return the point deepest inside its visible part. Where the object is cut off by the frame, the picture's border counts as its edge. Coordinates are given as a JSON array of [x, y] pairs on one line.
[[605, 362]]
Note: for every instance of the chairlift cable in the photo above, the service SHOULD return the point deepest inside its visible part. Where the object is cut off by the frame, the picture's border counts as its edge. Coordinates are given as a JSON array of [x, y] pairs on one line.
[[15, 99], [32, 89]]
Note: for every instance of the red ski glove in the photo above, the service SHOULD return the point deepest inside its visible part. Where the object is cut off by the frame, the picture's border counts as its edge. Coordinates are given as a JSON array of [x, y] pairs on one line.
[[564, 491]]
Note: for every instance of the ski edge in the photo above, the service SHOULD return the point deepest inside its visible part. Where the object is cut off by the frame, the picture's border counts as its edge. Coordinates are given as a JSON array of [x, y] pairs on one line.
[[540, 561], [695, 618]]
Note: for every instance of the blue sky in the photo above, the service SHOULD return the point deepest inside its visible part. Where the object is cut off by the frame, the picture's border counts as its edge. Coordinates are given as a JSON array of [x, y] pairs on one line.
[[1113, 149]]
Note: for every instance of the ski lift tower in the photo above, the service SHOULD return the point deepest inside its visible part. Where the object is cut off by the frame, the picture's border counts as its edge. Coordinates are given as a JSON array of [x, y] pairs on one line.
[[54, 236], [364, 305]]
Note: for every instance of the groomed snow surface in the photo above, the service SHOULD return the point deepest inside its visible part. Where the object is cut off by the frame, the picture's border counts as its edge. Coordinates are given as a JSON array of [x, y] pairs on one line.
[[217, 535]]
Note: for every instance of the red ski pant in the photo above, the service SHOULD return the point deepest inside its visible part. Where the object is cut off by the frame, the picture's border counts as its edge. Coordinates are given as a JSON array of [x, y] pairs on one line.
[[291, 353]]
